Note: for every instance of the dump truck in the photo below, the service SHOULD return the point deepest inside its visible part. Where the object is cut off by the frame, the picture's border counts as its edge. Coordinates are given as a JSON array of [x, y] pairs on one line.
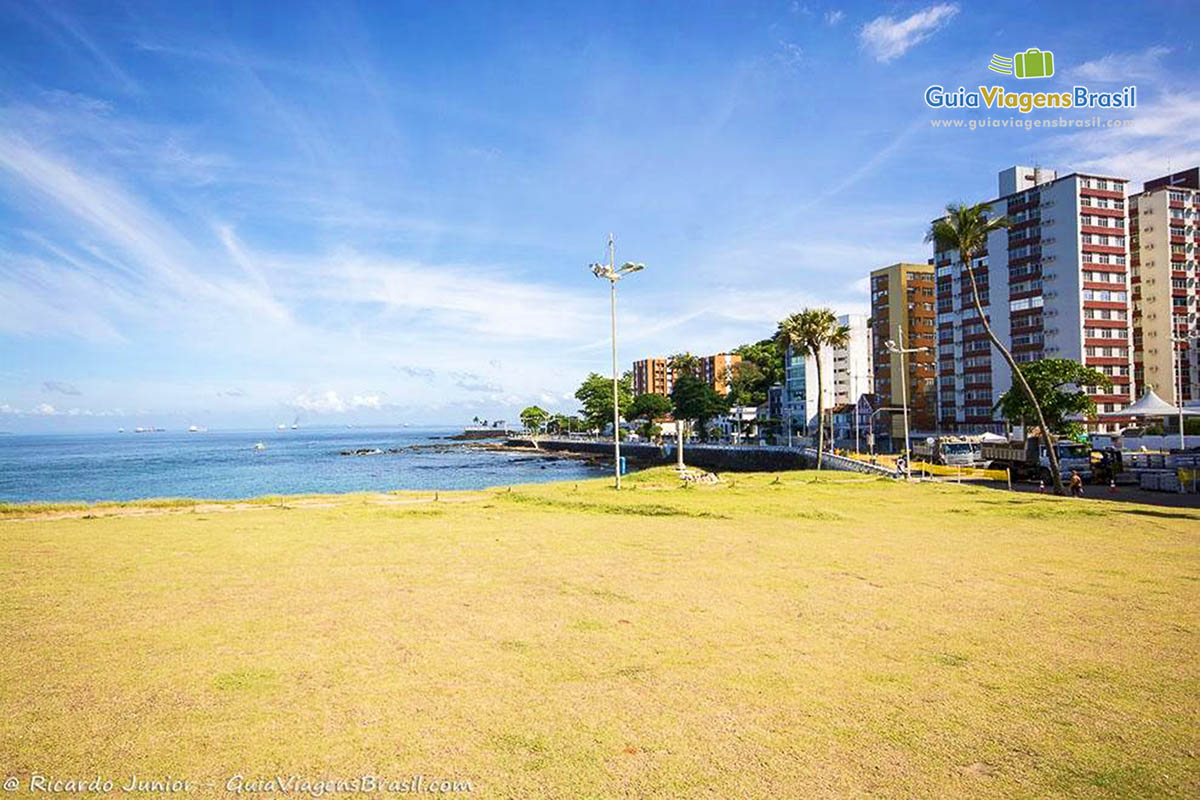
[[951, 451], [1028, 459]]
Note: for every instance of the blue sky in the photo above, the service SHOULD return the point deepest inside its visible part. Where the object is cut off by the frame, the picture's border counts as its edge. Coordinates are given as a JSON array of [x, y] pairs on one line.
[[242, 214]]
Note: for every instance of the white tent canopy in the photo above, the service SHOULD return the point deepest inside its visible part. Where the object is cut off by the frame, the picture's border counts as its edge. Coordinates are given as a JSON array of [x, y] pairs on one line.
[[1151, 405]]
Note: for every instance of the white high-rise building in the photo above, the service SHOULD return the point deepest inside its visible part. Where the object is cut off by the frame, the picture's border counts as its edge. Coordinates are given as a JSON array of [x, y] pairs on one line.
[[845, 371], [1055, 284]]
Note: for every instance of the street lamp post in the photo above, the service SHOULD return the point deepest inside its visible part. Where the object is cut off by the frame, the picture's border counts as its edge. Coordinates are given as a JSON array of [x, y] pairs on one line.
[[1177, 369], [612, 274], [893, 347]]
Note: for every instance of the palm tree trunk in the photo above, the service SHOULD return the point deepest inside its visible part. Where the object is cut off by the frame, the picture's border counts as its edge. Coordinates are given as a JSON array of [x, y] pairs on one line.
[[1018, 376], [820, 407]]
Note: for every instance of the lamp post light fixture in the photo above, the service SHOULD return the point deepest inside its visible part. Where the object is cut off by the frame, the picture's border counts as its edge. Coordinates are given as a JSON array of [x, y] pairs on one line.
[[612, 274], [897, 349]]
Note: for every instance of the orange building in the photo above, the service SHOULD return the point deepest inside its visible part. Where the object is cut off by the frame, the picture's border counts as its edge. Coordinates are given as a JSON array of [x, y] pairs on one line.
[[655, 376]]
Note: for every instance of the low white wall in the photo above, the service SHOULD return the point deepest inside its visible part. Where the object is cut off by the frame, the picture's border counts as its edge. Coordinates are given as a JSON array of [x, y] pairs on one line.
[[1157, 442]]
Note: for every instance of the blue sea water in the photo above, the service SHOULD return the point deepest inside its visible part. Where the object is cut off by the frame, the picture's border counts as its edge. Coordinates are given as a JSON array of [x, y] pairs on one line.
[[224, 464]]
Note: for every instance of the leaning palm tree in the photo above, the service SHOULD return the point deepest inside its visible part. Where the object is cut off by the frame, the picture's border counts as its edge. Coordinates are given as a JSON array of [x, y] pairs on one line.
[[807, 334], [965, 230]]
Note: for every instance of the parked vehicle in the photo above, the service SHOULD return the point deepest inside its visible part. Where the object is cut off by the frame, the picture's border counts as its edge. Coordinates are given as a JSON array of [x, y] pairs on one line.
[[1029, 459], [951, 451]]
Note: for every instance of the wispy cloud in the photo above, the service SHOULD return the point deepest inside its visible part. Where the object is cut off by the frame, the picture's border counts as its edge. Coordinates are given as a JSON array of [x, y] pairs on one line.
[[470, 382], [834, 16], [48, 410], [1114, 67], [1165, 136], [423, 373], [61, 388], [71, 35], [789, 54], [887, 38]]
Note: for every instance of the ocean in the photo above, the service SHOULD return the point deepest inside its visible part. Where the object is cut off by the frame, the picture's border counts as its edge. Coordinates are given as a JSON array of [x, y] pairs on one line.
[[225, 465]]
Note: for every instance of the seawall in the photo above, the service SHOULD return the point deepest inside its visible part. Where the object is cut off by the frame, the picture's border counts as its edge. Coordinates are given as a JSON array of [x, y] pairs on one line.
[[720, 458]]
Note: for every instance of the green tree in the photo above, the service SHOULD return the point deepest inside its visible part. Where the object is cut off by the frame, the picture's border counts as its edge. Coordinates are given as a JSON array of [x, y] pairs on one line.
[[809, 333], [648, 408], [965, 230], [693, 399], [761, 368], [533, 418], [1056, 383], [746, 388], [595, 394]]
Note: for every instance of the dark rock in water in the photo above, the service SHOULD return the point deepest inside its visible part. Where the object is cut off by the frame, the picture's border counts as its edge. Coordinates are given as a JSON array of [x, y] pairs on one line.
[[479, 433], [363, 451]]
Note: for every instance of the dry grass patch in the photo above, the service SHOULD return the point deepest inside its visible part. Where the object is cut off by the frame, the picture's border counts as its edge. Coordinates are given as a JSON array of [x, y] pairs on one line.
[[773, 636]]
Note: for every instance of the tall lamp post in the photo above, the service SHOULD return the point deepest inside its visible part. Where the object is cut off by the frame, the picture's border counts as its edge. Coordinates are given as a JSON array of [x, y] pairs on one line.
[[897, 349], [613, 274], [1177, 368]]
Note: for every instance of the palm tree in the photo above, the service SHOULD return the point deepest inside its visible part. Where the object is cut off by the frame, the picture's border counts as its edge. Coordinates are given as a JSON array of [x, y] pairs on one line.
[[965, 229], [807, 334], [684, 364]]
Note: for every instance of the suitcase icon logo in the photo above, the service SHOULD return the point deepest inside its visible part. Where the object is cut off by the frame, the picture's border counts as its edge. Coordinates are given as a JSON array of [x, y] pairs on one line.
[[1033, 63]]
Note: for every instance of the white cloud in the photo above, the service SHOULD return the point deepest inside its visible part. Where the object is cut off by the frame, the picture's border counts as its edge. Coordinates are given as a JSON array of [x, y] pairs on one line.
[[372, 401], [330, 402], [1114, 67], [1165, 136], [888, 38], [43, 410], [834, 17], [479, 301]]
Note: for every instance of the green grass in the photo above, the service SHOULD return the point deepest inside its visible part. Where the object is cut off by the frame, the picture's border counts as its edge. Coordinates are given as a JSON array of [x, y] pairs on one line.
[[785, 635]]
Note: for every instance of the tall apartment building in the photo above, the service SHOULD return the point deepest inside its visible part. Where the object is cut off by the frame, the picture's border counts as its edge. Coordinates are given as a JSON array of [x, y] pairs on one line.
[[846, 372], [902, 299], [1164, 275], [1054, 285], [717, 371], [655, 376], [652, 376]]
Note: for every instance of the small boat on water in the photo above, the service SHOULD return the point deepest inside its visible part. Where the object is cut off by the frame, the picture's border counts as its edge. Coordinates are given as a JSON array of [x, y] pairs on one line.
[[260, 446], [281, 427]]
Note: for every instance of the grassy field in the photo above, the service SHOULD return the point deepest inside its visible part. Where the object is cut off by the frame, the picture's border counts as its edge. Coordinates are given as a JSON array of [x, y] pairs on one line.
[[773, 636]]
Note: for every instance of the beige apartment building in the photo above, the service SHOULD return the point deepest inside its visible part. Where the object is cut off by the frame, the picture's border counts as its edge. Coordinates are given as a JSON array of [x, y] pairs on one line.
[[902, 298], [1164, 249]]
